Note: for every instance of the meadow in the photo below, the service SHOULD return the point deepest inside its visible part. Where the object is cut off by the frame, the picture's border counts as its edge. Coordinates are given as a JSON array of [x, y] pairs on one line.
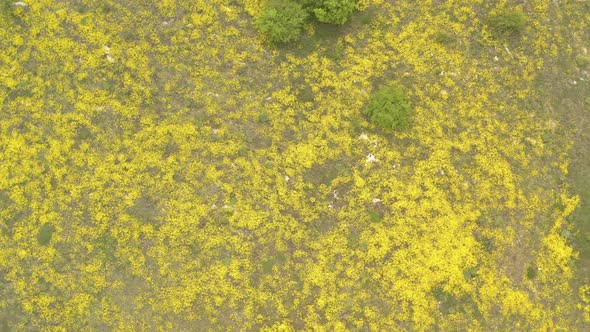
[[168, 166]]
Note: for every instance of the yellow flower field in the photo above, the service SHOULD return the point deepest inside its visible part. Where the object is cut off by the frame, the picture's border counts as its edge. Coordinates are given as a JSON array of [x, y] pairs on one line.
[[163, 167]]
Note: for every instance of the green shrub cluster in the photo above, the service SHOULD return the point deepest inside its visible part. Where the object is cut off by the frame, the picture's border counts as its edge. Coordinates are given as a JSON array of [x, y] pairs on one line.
[[282, 20], [334, 11], [390, 109]]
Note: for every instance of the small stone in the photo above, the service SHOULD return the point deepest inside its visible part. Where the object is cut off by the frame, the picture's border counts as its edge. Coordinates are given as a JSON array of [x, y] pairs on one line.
[[372, 159]]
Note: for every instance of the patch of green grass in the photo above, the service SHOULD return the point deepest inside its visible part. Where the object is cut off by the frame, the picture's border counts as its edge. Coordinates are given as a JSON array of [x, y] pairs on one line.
[[264, 118], [336, 53], [326, 173], [324, 36], [583, 61], [580, 175], [573, 108], [45, 234], [144, 209], [5, 200], [486, 242], [368, 15], [580, 178], [44, 285], [531, 272], [325, 32], [447, 302], [375, 216], [508, 21], [81, 7], [444, 38], [353, 238], [84, 133], [107, 245], [305, 94], [170, 149], [470, 273], [276, 260], [6, 8], [356, 124], [499, 221], [355, 242]]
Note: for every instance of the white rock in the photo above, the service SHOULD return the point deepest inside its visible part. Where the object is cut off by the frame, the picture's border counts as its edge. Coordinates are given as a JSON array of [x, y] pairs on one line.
[[372, 159]]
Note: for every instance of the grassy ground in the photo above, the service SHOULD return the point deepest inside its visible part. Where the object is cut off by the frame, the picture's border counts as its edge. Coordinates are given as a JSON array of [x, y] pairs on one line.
[[567, 87], [575, 106]]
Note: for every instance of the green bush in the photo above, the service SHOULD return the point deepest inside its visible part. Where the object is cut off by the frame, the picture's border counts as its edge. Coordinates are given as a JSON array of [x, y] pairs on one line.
[[508, 21], [333, 11], [282, 21], [390, 109]]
